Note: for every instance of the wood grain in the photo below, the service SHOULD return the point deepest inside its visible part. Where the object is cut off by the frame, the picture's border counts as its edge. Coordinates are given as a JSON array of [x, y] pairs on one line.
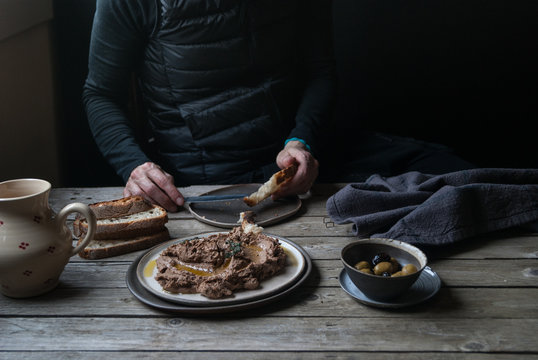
[[244, 355], [476, 273], [307, 301], [486, 308], [269, 334]]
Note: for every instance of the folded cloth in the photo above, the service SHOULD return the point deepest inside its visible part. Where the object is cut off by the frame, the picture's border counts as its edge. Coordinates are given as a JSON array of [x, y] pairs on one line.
[[438, 209]]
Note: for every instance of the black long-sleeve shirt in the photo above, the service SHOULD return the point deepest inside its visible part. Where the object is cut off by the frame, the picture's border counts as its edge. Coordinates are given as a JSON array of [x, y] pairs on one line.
[[120, 31]]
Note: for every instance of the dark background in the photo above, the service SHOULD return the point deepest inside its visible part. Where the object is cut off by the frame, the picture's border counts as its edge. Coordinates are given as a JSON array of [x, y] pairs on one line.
[[460, 73]]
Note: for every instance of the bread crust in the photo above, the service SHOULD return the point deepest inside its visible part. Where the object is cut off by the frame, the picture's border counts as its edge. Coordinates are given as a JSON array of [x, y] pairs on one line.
[[99, 249], [132, 225], [112, 209], [271, 186], [123, 225], [120, 207]]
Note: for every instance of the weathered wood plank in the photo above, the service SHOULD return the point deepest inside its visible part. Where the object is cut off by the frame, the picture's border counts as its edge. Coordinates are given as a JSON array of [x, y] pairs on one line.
[[314, 205], [244, 355], [487, 272], [113, 192], [460, 273], [453, 273], [313, 222], [263, 333], [502, 245], [487, 304], [514, 247], [450, 303], [329, 247], [320, 227], [300, 226]]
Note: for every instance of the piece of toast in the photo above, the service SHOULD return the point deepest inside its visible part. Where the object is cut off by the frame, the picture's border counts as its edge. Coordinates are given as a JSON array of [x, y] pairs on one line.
[[99, 249], [123, 225], [112, 209], [120, 207], [132, 225], [271, 186]]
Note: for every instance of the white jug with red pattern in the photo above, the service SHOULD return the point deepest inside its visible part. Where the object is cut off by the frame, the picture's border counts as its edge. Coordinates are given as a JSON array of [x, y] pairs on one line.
[[35, 245]]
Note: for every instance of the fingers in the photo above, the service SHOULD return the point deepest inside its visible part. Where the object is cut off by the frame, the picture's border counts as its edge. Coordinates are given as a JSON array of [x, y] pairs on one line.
[[307, 171], [285, 160], [156, 185]]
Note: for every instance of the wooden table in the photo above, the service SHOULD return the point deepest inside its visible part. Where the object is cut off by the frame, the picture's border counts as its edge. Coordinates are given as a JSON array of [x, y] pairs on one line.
[[487, 307]]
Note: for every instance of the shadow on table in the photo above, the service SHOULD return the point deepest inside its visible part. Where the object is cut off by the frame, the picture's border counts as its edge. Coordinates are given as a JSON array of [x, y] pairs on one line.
[[473, 244], [303, 295]]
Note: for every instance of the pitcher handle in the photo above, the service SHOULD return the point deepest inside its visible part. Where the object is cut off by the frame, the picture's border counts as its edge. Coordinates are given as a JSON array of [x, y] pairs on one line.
[[90, 218]]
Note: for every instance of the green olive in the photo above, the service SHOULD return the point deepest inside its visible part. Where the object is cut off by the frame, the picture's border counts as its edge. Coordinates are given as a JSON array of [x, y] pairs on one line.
[[409, 269], [382, 267], [366, 271], [397, 273], [362, 265]]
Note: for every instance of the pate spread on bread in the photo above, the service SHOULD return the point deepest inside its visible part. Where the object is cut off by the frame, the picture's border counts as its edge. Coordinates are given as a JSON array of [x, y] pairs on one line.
[[271, 186], [123, 225]]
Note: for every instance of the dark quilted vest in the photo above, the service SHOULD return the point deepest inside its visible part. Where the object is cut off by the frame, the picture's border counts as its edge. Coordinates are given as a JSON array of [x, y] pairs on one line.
[[220, 83]]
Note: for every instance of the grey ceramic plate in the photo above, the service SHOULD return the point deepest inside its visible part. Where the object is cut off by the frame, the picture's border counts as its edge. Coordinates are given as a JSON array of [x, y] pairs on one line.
[[295, 263], [143, 295], [426, 286], [226, 213]]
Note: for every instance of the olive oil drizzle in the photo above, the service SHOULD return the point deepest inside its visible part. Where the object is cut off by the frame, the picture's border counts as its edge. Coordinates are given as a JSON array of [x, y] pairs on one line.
[[251, 251], [148, 270], [201, 272]]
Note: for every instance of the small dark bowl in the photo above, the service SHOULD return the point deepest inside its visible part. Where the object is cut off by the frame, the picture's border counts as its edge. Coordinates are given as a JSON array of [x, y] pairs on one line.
[[378, 287]]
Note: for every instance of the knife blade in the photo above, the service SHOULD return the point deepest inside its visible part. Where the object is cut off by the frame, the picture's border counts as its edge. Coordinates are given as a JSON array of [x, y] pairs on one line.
[[204, 198]]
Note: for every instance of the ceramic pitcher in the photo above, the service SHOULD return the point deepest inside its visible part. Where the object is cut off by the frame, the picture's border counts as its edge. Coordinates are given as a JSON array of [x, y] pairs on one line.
[[35, 245]]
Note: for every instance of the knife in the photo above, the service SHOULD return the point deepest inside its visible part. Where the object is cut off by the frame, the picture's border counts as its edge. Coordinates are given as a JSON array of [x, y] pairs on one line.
[[204, 198]]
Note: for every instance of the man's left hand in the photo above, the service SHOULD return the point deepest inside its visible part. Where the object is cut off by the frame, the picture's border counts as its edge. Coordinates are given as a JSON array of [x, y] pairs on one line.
[[295, 152]]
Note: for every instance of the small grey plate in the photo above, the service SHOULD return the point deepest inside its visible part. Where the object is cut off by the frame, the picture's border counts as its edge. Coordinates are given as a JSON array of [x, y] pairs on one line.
[[225, 214], [426, 286]]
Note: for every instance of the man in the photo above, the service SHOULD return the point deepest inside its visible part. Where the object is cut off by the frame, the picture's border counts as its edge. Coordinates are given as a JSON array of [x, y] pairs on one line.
[[233, 90]]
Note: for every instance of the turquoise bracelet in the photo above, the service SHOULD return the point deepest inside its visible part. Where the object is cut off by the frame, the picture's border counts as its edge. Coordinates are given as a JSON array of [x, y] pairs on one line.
[[300, 140]]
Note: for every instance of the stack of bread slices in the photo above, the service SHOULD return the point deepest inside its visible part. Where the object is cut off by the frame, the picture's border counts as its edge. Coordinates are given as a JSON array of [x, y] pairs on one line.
[[123, 225]]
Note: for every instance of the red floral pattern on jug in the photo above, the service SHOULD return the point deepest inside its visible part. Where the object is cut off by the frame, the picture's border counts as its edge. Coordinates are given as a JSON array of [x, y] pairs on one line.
[[1, 223], [24, 245], [27, 272], [37, 219], [51, 249]]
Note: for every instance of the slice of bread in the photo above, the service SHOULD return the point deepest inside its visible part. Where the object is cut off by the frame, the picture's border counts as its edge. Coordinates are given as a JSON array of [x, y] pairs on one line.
[[271, 186], [128, 226], [120, 207], [112, 209], [99, 249], [123, 225]]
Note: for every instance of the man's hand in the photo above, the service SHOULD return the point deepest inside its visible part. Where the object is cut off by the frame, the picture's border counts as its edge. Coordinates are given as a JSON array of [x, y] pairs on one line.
[[151, 182], [307, 169]]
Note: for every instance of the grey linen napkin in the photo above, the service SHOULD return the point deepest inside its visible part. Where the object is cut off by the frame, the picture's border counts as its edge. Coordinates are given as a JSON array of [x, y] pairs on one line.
[[427, 209]]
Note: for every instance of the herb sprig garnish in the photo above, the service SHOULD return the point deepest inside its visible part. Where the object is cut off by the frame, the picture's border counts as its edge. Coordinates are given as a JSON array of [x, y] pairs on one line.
[[235, 247]]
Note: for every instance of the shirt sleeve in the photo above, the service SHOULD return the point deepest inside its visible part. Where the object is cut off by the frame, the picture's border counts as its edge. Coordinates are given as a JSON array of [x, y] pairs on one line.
[[120, 31], [318, 97]]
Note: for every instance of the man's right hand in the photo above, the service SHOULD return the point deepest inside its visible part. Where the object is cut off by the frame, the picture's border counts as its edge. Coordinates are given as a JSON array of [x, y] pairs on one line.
[[151, 182]]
